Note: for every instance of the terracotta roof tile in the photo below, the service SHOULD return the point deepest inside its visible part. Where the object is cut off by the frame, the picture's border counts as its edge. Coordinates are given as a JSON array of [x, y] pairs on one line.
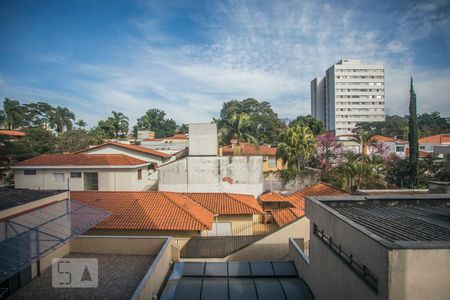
[[436, 139], [284, 216], [382, 138], [249, 149], [131, 147], [12, 133], [227, 204], [82, 160], [297, 199], [148, 210], [272, 197]]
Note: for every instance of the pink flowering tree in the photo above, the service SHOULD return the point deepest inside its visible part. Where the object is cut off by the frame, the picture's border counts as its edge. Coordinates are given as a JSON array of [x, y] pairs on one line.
[[328, 150]]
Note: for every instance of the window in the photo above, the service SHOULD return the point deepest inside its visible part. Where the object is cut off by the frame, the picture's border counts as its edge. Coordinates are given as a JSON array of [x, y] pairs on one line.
[[139, 174], [58, 177], [422, 147], [399, 148], [75, 174], [220, 229], [29, 172], [272, 162], [90, 181]]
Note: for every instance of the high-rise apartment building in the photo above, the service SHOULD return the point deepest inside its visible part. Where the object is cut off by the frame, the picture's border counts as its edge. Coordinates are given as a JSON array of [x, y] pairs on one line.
[[349, 93]]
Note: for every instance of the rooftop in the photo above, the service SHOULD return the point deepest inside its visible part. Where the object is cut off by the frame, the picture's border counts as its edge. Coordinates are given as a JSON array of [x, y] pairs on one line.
[[10, 198], [400, 221], [436, 139], [248, 149], [235, 280], [226, 203], [12, 133], [76, 159], [382, 138], [118, 278], [131, 147], [284, 216]]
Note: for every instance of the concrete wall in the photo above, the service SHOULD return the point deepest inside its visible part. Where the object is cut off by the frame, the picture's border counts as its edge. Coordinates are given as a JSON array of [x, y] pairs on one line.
[[326, 274], [111, 149], [275, 246], [108, 179], [203, 139], [419, 274], [165, 233], [231, 174]]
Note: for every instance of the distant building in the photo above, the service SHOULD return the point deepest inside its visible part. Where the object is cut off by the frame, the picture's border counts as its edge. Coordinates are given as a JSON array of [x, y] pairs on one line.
[[268, 153], [392, 145], [376, 247], [436, 144], [349, 93], [82, 172], [169, 145]]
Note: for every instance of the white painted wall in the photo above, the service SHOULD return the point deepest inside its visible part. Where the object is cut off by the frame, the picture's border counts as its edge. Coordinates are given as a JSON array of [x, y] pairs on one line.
[[108, 179], [231, 174], [203, 139]]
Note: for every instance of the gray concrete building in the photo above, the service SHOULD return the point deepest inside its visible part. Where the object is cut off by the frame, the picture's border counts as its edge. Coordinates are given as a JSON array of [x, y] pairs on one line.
[[376, 247], [349, 93]]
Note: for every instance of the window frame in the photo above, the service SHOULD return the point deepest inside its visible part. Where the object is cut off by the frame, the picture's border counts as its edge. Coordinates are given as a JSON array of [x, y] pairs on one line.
[[59, 173], [30, 172]]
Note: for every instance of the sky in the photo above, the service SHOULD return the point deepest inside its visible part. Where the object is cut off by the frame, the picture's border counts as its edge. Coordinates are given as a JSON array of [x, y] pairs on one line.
[[188, 57]]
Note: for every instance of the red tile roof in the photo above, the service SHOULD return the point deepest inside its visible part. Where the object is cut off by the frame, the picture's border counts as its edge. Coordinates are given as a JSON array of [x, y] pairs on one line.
[[272, 197], [12, 133], [148, 210], [436, 139], [297, 199], [227, 204], [82, 160], [284, 216], [248, 149], [131, 147], [382, 138]]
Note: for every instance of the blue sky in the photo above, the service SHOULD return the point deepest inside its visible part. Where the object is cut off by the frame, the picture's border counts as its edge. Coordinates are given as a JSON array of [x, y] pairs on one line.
[[187, 58]]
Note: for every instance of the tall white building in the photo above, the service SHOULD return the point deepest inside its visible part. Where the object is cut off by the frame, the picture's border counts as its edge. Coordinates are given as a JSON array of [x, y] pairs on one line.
[[349, 93]]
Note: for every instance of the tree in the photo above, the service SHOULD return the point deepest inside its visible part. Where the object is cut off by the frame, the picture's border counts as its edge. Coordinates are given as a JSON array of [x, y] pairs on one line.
[[81, 123], [314, 124], [328, 150], [61, 119], [13, 114], [156, 121], [183, 128], [37, 141], [73, 140], [394, 126], [120, 124], [413, 134], [296, 145], [38, 114], [238, 126], [266, 126], [432, 124]]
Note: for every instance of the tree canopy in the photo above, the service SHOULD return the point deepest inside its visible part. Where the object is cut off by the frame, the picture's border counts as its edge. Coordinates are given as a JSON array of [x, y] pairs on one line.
[[315, 125], [156, 121]]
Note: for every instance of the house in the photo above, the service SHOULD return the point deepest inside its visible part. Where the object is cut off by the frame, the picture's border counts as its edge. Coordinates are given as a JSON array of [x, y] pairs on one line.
[[169, 145], [348, 143], [55, 259], [269, 154], [431, 144], [80, 172], [204, 171], [392, 145], [154, 157], [376, 247], [181, 215]]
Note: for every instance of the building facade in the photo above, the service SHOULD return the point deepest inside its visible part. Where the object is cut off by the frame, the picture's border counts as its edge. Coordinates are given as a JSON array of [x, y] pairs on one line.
[[349, 93]]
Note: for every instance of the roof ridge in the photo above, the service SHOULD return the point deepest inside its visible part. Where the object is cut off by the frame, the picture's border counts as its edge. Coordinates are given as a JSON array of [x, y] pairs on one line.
[[189, 213], [231, 196]]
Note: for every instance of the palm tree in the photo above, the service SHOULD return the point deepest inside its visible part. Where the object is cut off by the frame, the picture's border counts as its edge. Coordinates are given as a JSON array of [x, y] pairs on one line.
[[13, 114], [297, 144], [237, 127], [81, 123], [120, 124], [61, 119]]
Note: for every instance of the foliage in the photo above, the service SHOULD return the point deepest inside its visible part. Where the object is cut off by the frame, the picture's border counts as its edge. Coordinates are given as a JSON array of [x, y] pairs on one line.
[[413, 134], [266, 126], [238, 127], [183, 128], [394, 126], [81, 123], [432, 124], [156, 121], [38, 114], [288, 175], [61, 119], [296, 145], [13, 114], [37, 141], [328, 150], [314, 124], [120, 124], [73, 140]]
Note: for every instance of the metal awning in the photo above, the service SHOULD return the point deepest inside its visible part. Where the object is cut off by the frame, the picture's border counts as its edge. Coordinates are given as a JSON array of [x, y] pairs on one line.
[[28, 237]]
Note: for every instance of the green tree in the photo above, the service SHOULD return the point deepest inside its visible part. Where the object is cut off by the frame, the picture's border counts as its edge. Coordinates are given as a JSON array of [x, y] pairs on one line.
[[38, 114], [156, 121], [61, 119], [266, 126], [314, 124], [183, 128], [296, 145], [238, 127], [37, 141], [120, 124], [98, 135], [81, 123], [14, 114], [413, 134], [73, 140], [432, 124], [394, 126]]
